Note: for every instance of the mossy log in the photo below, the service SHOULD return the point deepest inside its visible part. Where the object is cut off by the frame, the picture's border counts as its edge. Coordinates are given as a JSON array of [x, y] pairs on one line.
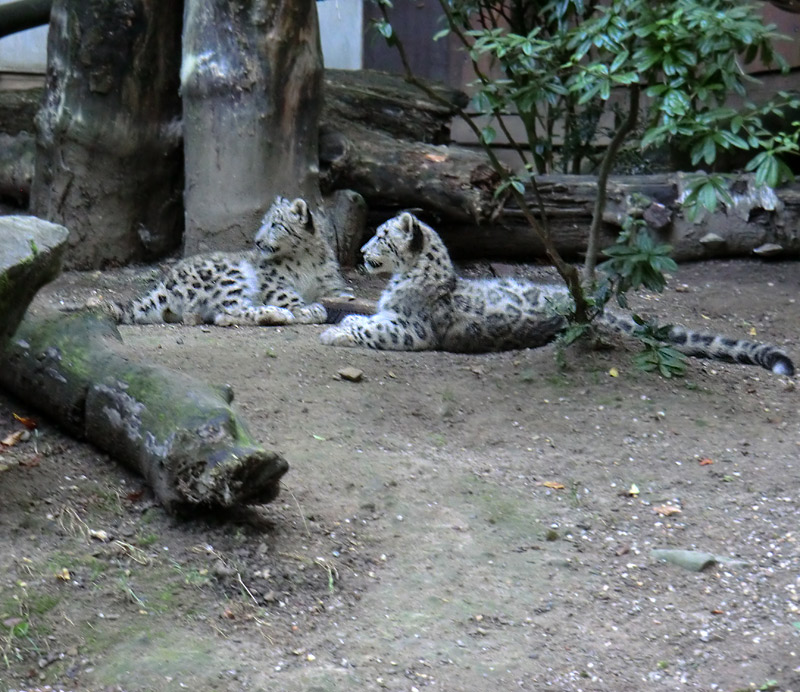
[[182, 435]]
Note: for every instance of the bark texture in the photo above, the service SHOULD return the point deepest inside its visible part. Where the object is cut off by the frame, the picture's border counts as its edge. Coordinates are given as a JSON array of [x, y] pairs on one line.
[[251, 80], [182, 435], [109, 161], [386, 102]]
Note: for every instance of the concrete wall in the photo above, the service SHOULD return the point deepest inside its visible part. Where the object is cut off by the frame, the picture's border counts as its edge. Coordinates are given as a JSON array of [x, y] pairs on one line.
[[341, 29]]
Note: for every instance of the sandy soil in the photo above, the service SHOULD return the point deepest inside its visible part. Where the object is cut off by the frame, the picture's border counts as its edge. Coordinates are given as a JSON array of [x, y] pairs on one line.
[[460, 523]]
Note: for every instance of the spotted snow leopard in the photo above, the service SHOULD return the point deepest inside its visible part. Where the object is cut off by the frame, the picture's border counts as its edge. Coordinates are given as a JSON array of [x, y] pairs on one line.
[[426, 306], [279, 282]]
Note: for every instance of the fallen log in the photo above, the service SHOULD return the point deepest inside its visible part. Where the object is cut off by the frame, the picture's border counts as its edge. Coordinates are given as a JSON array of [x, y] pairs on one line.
[[386, 102], [452, 182], [182, 435], [761, 223], [18, 108]]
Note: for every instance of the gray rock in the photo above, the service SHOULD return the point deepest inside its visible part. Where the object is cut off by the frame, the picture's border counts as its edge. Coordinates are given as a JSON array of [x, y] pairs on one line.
[[30, 255]]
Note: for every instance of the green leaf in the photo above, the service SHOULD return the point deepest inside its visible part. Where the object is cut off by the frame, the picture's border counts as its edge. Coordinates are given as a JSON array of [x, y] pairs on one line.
[[707, 197], [385, 29], [619, 61], [709, 150]]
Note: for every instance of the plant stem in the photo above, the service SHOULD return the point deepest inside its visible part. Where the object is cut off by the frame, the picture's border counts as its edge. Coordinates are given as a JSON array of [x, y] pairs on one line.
[[602, 181]]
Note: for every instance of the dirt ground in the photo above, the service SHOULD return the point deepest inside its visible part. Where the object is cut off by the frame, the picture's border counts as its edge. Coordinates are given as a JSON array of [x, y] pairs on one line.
[[450, 522]]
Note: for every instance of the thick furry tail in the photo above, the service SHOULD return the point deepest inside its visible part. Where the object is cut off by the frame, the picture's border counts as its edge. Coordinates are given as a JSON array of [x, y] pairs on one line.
[[714, 346]]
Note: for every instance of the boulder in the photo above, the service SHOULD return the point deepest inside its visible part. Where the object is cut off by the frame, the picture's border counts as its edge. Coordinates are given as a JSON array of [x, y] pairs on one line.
[[30, 256]]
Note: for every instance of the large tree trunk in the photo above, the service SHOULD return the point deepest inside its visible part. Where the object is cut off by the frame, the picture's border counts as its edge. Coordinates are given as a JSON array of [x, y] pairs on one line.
[[109, 161], [251, 81], [179, 433]]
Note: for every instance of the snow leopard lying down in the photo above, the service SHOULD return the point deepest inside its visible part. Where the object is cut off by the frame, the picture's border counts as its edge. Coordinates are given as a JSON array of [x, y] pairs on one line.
[[279, 282], [426, 306]]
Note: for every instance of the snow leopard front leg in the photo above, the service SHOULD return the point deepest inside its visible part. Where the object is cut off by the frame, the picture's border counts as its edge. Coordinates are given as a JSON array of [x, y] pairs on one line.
[[386, 331], [254, 316], [287, 298]]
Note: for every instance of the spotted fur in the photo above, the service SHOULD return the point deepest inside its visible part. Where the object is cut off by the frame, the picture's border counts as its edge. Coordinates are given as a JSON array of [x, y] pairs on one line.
[[426, 306], [277, 283]]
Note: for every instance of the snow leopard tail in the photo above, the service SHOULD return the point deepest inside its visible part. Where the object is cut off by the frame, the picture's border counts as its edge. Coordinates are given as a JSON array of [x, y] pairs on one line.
[[121, 313], [714, 346]]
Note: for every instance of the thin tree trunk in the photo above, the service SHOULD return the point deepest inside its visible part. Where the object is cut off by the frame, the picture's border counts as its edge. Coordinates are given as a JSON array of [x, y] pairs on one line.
[[109, 162], [252, 91], [609, 157]]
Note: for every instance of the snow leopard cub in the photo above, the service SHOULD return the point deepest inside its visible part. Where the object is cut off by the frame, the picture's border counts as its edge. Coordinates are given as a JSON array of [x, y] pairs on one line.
[[277, 283], [427, 306]]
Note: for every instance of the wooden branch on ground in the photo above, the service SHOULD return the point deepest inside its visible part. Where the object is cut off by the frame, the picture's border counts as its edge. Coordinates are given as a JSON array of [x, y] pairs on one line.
[[182, 435]]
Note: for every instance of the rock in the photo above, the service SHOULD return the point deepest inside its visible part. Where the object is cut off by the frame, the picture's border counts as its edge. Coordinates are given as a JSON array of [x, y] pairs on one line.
[[30, 256], [351, 374]]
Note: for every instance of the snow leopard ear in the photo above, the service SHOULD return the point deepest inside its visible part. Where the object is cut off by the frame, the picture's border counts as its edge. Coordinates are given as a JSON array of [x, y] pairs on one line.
[[410, 226], [300, 208]]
